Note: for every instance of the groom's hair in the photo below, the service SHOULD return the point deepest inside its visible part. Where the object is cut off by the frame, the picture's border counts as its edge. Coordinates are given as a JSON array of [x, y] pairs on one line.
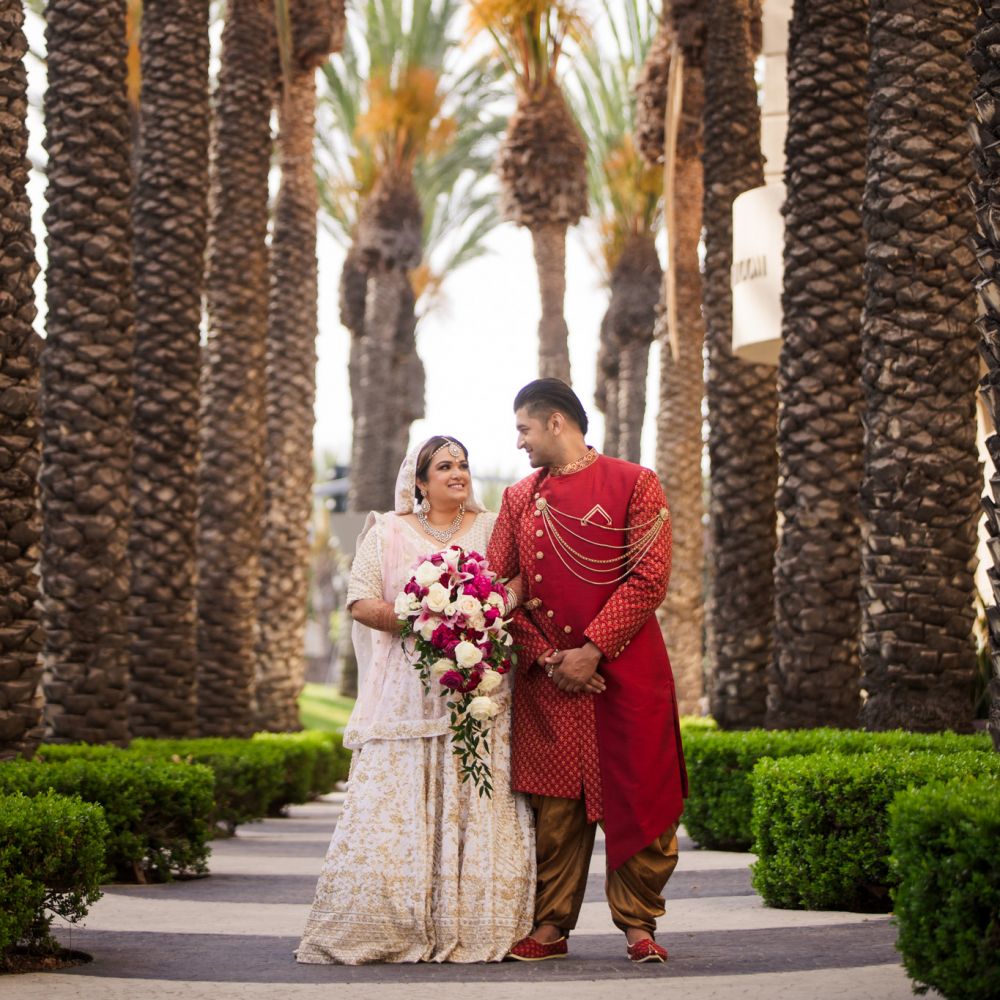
[[544, 396]]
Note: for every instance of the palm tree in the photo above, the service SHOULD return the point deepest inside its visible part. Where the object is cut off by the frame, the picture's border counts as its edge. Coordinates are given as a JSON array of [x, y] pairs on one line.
[[742, 401], [312, 31], [170, 211], [406, 196], [986, 190], [232, 391], [87, 372], [814, 677], [921, 473], [625, 194], [20, 440], [542, 162], [606, 385], [682, 383]]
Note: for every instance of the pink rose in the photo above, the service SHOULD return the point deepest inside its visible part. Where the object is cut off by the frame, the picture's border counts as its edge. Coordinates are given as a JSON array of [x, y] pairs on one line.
[[443, 635], [452, 680]]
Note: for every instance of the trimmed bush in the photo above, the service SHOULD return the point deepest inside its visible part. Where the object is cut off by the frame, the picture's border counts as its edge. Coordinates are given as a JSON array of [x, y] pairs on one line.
[[51, 864], [717, 813], [249, 775], [944, 841], [820, 823], [253, 778], [314, 762], [157, 813]]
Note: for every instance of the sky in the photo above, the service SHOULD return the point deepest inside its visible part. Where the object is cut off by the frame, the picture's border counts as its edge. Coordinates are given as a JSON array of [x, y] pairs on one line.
[[479, 348]]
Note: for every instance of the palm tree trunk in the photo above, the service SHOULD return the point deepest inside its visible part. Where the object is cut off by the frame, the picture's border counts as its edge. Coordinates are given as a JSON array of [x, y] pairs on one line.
[[986, 192], [921, 473], [389, 245], [87, 373], [742, 399], [232, 454], [549, 245], [632, 398], [170, 212], [606, 384], [20, 437], [291, 391], [814, 679], [679, 438]]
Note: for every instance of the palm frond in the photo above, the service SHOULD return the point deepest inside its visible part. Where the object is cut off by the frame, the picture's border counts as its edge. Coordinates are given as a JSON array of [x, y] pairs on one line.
[[624, 191], [399, 44]]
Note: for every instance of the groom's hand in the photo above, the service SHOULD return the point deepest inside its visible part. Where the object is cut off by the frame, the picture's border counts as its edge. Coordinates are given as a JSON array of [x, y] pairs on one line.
[[576, 670]]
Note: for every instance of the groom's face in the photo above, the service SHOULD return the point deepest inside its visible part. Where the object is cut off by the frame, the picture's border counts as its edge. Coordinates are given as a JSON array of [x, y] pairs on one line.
[[535, 436]]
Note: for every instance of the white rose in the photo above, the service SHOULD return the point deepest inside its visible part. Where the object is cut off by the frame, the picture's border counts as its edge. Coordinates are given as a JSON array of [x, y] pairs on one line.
[[451, 609], [440, 667], [496, 600], [402, 606], [490, 682], [427, 629], [468, 605], [477, 621], [467, 655], [437, 598], [482, 708], [427, 573]]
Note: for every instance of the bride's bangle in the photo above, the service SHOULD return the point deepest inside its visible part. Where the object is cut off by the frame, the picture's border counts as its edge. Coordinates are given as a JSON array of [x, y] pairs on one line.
[[511, 601]]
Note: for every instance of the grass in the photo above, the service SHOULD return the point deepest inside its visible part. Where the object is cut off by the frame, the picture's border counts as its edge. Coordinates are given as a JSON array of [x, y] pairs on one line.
[[320, 707]]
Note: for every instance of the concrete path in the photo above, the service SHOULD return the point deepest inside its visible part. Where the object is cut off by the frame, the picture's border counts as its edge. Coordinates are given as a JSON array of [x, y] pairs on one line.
[[232, 936]]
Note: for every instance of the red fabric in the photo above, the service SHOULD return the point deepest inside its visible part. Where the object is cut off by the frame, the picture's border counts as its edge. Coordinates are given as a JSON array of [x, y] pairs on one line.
[[620, 750]]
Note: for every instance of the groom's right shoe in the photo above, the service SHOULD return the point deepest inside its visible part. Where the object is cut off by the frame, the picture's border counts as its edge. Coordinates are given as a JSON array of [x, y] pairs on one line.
[[530, 950]]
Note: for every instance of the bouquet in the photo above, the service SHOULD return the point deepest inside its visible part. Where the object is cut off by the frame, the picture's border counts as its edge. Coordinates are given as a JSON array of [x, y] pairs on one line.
[[453, 625]]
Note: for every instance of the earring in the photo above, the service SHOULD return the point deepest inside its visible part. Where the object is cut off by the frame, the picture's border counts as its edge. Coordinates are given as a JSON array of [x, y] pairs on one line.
[[425, 505]]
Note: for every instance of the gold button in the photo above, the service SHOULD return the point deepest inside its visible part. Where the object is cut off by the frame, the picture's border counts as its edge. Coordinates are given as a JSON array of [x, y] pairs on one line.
[[539, 555], [663, 513], [539, 533], [549, 614], [541, 504], [538, 513], [537, 495], [538, 578], [567, 628]]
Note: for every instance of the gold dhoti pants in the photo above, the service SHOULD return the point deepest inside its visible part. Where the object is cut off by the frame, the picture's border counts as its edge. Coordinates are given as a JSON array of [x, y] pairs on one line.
[[564, 841]]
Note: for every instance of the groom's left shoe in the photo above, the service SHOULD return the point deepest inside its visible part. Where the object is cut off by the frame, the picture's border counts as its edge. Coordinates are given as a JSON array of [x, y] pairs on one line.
[[646, 950], [530, 950]]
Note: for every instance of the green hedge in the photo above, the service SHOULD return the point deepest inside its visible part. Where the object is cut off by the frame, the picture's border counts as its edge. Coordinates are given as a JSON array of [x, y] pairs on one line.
[[717, 813], [253, 778], [156, 812], [945, 841], [249, 776], [314, 762], [51, 864], [820, 823]]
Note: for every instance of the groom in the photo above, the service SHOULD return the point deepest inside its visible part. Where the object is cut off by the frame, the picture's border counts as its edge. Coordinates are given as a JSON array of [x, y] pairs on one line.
[[596, 733]]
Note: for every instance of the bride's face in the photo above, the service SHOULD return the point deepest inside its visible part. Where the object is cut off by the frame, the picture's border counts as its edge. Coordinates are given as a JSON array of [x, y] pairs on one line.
[[448, 481]]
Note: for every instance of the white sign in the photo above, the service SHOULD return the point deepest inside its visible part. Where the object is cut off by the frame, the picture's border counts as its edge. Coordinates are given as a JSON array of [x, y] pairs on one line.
[[758, 245]]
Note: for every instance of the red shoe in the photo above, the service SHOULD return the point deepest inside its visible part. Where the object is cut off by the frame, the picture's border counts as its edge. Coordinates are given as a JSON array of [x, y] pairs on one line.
[[530, 950], [646, 950]]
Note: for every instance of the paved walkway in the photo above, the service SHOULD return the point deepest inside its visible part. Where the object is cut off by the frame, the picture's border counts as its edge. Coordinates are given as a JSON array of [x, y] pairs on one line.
[[232, 936]]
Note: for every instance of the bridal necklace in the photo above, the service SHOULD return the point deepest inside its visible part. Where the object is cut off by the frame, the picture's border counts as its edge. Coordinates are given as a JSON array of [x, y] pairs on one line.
[[441, 534]]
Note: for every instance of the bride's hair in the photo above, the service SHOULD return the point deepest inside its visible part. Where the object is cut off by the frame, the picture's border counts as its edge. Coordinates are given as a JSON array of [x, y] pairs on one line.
[[431, 446]]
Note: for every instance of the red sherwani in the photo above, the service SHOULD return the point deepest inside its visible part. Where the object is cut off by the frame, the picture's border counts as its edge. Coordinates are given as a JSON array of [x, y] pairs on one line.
[[621, 749]]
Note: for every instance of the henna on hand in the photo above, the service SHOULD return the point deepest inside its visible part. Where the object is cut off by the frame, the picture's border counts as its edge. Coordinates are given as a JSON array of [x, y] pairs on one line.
[[378, 615]]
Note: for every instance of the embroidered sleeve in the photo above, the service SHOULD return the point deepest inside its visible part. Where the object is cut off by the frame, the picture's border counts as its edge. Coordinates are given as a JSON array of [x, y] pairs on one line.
[[643, 590], [366, 570], [504, 560]]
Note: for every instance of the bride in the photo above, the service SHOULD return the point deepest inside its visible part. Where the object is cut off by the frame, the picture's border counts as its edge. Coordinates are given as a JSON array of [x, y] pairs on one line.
[[420, 867]]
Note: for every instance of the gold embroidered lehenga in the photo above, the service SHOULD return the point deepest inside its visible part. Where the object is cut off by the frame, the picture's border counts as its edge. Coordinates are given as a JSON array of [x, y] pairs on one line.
[[420, 867]]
